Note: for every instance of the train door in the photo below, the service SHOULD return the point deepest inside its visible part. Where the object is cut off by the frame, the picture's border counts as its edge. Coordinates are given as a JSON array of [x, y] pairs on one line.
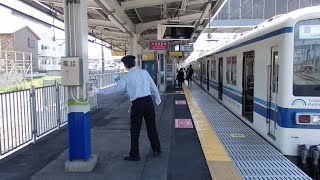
[[220, 78], [208, 69], [201, 74], [248, 85], [273, 92]]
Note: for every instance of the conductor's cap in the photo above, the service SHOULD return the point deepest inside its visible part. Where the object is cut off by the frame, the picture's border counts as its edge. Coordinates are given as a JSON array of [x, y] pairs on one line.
[[129, 59]]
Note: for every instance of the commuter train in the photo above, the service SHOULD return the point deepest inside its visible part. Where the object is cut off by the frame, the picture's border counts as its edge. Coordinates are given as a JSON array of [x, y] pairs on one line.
[[270, 78]]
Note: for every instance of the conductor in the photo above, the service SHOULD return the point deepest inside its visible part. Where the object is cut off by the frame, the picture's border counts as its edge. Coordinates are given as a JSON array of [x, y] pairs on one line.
[[139, 85]]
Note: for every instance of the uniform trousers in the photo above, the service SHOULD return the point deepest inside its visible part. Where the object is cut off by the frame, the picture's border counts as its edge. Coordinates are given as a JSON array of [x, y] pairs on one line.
[[143, 108]]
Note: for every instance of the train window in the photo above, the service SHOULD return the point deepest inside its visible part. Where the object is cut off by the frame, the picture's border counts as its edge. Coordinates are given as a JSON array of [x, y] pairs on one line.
[[234, 71], [213, 69], [275, 73], [228, 75], [306, 58], [199, 70], [204, 70]]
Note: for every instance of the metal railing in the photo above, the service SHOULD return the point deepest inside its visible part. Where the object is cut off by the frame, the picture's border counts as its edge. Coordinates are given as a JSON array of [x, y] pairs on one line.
[[62, 106], [106, 80], [16, 120], [30, 114], [94, 99], [46, 111]]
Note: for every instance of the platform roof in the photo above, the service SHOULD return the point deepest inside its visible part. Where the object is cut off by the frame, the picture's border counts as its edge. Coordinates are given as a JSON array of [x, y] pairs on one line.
[[114, 21]]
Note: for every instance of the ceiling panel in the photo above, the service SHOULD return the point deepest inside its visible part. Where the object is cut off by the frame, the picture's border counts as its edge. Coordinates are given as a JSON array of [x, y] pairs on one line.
[[150, 13], [137, 16], [174, 4], [195, 7], [131, 13]]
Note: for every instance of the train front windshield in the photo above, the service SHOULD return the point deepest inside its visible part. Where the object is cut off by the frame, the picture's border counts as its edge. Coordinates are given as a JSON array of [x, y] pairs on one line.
[[306, 60]]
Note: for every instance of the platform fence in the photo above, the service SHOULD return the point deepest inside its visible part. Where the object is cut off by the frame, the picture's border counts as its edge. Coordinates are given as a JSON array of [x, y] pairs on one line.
[[106, 80], [30, 114]]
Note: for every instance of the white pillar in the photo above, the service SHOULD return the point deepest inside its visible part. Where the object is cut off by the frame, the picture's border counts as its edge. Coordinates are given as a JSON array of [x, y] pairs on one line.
[[76, 38], [102, 58], [133, 48]]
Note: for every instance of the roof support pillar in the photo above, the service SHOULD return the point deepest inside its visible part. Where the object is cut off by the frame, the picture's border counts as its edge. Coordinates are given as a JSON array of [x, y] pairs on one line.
[[133, 47], [79, 139]]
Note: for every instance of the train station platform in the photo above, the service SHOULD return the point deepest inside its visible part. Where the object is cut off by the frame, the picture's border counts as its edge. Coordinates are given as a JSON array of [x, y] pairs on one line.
[[232, 147], [199, 137], [182, 156]]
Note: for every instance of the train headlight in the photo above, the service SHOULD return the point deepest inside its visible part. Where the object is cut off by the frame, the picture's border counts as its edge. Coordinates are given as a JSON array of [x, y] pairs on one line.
[[316, 119]]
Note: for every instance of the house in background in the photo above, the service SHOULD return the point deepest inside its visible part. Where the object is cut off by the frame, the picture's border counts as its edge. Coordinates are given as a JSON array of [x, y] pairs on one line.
[[50, 53], [22, 39]]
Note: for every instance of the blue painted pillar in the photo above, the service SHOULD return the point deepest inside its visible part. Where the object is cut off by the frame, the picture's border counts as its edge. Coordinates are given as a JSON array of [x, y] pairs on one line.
[[79, 136], [76, 43]]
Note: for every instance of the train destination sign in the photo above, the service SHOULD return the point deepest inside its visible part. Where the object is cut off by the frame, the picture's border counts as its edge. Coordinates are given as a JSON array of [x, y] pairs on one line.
[[309, 32]]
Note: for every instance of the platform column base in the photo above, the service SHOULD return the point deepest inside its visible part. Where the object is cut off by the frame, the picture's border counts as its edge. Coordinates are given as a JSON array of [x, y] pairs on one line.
[[81, 166]]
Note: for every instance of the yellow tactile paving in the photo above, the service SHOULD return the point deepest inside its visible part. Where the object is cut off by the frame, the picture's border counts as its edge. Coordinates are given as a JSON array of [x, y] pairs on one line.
[[223, 170], [214, 151], [214, 157]]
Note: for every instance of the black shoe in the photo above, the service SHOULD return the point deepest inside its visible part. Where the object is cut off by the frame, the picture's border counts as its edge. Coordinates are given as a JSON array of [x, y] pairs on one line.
[[157, 153], [130, 158]]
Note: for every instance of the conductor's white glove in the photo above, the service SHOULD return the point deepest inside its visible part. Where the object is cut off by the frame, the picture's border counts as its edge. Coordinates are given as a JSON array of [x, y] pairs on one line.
[[158, 101]]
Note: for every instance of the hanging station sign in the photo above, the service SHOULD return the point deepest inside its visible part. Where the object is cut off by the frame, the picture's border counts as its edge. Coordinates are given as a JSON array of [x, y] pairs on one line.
[[159, 45], [118, 53], [148, 56], [175, 53], [186, 48]]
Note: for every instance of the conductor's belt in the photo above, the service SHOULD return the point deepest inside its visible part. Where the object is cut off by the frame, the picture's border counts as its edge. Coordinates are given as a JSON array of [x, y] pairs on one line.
[[141, 98]]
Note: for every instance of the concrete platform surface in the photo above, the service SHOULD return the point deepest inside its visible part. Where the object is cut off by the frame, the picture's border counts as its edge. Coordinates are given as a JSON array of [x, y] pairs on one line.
[[110, 140], [182, 156]]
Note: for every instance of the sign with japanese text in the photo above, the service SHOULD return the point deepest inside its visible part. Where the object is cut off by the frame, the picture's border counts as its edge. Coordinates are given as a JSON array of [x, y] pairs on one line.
[[175, 53], [148, 56], [118, 53], [186, 48], [158, 45]]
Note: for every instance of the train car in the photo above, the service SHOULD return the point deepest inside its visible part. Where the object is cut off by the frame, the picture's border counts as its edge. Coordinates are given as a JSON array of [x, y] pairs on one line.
[[270, 78]]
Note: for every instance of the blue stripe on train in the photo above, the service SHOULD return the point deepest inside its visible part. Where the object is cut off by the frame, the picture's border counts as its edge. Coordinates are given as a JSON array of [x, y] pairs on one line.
[[260, 38], [285, 117]]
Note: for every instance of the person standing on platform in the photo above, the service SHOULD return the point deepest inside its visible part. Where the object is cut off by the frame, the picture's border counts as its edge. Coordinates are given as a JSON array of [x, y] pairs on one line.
[[189, 75], [180, 77], [140, 86]]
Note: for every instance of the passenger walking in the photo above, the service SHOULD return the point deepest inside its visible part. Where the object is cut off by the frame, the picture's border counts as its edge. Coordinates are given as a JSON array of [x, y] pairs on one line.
[[180, 77], [140, 86], [185, 74], [189, 75]]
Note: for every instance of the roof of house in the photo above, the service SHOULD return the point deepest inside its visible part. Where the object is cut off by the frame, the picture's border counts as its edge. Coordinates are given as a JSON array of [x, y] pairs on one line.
[[12, 29]]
